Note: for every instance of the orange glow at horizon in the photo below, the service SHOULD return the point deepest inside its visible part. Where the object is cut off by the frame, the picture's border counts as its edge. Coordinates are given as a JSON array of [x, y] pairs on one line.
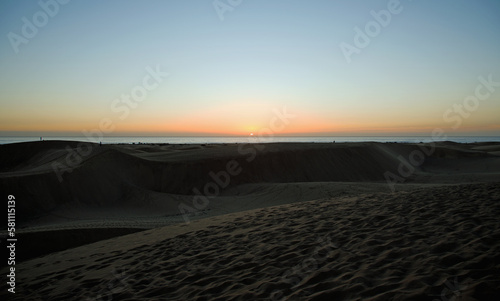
[[250, 120], [293, 131]]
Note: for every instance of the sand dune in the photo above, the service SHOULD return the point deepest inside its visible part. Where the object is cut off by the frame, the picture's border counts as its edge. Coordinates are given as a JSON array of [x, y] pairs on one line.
[[264, 214], [126, 175], [430, 244]]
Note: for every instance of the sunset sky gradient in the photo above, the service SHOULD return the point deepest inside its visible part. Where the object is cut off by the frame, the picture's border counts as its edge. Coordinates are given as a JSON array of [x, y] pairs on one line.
[[227, 76]]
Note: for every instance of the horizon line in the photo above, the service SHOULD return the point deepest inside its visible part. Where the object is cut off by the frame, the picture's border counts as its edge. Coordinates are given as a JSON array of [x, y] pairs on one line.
[[250, 136]]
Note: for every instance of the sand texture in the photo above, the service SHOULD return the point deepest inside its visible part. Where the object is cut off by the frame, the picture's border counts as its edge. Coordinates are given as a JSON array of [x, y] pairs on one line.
[[299, 222]]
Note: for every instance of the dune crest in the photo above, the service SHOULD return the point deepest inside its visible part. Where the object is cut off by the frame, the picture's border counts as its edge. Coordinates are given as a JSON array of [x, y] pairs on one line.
[[288, 221], [382, 246], [109, 175]]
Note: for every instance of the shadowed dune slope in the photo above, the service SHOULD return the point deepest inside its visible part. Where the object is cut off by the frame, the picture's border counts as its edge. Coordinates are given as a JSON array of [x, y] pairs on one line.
[[430, 244], [45, 175]]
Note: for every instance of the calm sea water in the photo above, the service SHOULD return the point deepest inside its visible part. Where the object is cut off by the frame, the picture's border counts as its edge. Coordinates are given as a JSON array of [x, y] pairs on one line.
[[188, 140]]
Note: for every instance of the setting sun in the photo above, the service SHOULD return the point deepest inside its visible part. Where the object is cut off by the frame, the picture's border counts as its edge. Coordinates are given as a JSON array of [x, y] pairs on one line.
[[250, 150]]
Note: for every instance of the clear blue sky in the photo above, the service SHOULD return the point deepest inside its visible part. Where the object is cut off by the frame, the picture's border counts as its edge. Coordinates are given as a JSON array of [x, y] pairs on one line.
[[226, 76]]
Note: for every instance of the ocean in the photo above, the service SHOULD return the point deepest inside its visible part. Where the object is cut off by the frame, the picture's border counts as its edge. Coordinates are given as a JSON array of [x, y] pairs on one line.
[[249, 139]]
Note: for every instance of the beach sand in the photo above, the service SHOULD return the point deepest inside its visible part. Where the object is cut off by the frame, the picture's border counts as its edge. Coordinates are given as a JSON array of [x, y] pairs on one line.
[[289, 221]]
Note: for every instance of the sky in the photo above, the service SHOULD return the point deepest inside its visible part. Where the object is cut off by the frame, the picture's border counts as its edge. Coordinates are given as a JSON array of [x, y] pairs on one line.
[[236, 67]]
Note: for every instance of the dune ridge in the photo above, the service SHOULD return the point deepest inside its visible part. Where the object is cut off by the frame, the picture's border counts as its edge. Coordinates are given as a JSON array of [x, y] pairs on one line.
[[111, 173], [428, 244], [297, 221]]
